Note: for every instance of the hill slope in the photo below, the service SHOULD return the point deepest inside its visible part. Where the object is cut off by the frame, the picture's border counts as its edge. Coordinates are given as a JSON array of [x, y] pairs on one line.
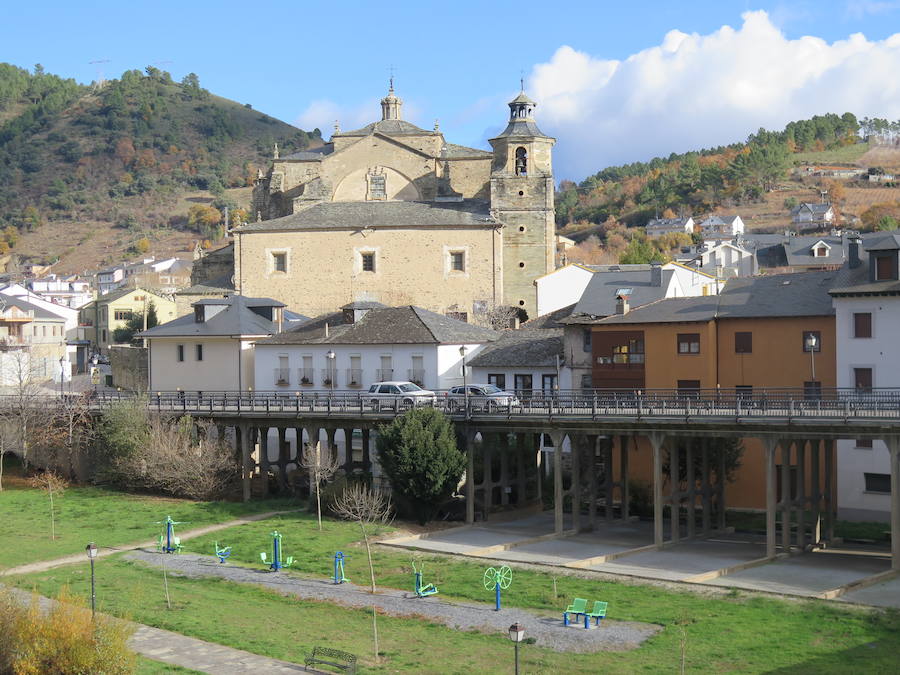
[[118, 164]]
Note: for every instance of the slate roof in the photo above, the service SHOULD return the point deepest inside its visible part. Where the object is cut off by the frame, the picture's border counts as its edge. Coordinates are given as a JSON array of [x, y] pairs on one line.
[[122, 292], [219, 285], [815, 208], [454, 150], [39, 312], [383, 326], [236, 319], [550, 320], [357, 215], [389, 128], [314, 154], [775, 296], [521, 127], [526, 347], [679, 223], [888, 242], [599, 297]]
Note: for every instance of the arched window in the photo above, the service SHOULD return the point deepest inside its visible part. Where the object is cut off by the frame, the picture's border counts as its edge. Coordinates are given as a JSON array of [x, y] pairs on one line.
[[521, 162]]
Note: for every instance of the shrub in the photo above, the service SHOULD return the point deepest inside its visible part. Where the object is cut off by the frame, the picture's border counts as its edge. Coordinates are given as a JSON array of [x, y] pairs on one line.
[[419, 455], [64, 639]]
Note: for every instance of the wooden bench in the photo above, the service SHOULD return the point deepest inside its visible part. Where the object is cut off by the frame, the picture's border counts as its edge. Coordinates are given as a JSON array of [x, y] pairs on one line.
[[332, 657]]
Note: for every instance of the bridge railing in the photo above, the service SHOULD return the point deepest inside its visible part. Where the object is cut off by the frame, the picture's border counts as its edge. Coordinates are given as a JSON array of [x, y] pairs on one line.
[[833, 403]]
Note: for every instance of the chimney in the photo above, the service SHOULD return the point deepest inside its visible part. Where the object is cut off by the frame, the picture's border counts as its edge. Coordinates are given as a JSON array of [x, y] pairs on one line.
[[853, 252], [279, 319], [622, 304], [655, 274]]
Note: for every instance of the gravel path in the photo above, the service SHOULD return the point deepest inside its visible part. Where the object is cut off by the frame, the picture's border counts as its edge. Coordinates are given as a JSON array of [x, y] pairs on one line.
[[547, 630]]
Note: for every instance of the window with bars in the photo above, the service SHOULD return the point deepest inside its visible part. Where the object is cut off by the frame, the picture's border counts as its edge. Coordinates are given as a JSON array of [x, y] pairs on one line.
[[458, 261], [279, 261], [368, 262]]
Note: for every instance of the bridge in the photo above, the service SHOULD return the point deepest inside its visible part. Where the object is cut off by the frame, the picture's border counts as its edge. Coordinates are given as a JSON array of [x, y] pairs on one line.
[[681, 430]]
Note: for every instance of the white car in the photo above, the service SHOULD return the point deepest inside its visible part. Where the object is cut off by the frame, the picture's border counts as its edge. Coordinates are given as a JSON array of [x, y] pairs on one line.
[[407, 393]]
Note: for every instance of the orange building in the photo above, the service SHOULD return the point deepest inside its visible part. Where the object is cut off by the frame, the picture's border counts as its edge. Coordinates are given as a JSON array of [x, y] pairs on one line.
[[760, 336]]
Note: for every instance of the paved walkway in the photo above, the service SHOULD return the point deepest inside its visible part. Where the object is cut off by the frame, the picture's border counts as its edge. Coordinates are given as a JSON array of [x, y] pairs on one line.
[[111, 550], [187, 652]]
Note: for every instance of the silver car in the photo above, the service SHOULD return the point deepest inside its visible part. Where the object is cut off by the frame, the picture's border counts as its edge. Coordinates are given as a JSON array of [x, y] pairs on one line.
[[407, 393], [481, 397]]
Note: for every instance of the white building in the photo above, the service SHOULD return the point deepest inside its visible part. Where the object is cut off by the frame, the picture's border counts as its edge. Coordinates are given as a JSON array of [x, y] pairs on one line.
[[68, 292], [725, 260], [212, 348], [867, 325], [369, 343], [660, 226], [67, 313]]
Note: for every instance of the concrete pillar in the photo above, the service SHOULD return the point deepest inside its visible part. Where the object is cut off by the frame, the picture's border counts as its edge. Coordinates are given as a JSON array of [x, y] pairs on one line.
[[609, 482], [539, 464], [505, 450], [469, 440], [366, 450], [656, 441], [522, 456], [829, 490], [800, 503], [786, 495], [815, 451], [771, 495], [246, 466], [675, 491], [720, 489], [893, 443], [487, 479], [348, 450], [691, 489], [624, 490], [577, 448], [332, 445], [592, 470], [556, 438], [705, 487], [284, 452]]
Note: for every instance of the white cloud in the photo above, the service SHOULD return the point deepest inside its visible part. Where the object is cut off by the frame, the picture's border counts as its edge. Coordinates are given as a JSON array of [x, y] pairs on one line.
[[694, 91]]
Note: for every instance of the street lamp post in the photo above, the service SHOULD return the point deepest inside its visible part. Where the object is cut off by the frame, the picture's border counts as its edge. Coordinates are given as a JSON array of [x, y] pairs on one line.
[[812, 343], [91, 551], [62, 375], [462, 353], [331, 372], [517, 634]]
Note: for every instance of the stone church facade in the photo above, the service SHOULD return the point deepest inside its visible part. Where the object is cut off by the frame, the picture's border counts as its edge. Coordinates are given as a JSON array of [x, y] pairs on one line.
[[395, 214]]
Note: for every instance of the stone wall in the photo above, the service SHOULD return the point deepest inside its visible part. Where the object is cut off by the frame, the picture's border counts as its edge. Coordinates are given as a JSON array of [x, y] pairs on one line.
[[129, 367]]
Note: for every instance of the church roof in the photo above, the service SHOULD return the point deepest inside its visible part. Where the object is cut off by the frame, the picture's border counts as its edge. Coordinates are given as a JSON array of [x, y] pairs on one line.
[[358, 215], [389, 128], [454, 150], [524, 126], [313, 154]]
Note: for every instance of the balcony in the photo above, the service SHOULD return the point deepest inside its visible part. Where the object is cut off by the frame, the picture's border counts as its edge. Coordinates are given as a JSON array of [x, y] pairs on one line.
[[306, 376], [416, 376], [329, 377], [354, 377], [282, 377], [384, 374]]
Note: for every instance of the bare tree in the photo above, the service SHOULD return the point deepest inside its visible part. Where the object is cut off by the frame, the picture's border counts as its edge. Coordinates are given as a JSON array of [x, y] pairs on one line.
[[321, 466], [25, 398], [496, 317], [369, 508], [52, 484]]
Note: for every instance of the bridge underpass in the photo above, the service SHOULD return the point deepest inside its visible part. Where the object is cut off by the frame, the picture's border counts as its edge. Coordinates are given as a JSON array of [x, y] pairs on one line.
[[686, 539]]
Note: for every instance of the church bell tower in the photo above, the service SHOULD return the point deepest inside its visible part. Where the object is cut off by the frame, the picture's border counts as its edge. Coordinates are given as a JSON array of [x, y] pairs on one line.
[[522, 199]]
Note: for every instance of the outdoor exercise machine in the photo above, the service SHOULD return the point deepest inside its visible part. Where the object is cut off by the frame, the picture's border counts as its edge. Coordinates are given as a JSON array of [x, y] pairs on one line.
[[277, 561], [168, 542], [339, 577], [422, 591], [496, 579], [222, 553]]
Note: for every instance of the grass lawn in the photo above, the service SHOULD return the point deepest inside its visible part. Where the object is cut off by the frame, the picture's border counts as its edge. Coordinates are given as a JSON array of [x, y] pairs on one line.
[[106, 517], [756, 522], [847, 154], [150, 667], [734, 633]]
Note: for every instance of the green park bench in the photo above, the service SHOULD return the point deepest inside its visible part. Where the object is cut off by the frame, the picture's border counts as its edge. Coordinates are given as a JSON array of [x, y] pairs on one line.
[[598, 613], [578, 608], [332, 657]]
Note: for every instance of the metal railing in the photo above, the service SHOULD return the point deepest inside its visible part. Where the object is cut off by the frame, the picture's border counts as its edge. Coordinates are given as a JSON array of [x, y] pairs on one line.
[[306, 376], [384, 374], [834, 405], [416, 376], [354, 377], [282, 377], [329, 377]]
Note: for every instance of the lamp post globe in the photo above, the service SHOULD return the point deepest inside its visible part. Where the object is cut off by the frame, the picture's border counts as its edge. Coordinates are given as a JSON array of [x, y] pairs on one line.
[[812, 344], [331, 372], [91, 552], [462, 353], [517, 634]]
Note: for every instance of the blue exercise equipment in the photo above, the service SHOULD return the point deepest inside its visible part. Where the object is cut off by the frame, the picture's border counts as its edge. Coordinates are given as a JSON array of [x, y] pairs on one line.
[[168, 542], [222, 553], [338, 577], [495, 579], [427, 589], [277, 561]]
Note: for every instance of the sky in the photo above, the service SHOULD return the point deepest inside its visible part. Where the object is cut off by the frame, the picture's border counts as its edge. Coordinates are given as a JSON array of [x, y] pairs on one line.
[[614, 82]]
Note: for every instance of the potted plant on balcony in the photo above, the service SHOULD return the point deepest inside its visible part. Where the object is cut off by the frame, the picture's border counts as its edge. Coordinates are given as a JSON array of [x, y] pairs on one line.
[[305, 380]]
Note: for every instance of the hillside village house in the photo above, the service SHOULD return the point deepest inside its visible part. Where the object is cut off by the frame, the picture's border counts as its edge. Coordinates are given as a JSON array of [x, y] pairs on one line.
[[724, 260], [727, 225], [867, 324], [70, 292], [101, 317], [657, 227], [32, 344], [809, 216], [396, 214], [365, 343], [76, 348], [211, 349], [760, 333]]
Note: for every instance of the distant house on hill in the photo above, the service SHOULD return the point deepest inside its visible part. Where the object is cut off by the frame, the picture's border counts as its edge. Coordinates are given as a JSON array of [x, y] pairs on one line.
[[727, 225], [660, 226], [808, 216]]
